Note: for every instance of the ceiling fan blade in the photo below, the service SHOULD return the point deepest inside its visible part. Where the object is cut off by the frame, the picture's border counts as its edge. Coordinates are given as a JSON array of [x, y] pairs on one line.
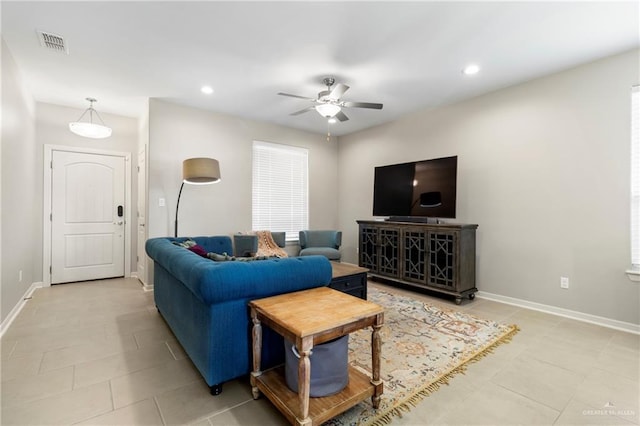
[[341, 116], [302, 111], [338, 91], [296, 96], [361, 105]]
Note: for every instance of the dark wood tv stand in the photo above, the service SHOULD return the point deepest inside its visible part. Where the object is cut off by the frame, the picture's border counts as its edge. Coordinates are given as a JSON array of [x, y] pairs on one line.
[[436, 257]]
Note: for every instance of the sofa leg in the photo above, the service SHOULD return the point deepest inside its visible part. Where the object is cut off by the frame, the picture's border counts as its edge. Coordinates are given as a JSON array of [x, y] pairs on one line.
[[216, 389]]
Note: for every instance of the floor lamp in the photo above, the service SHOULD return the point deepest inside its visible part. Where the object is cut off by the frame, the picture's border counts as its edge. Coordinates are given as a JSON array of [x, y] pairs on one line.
[[197, 171]]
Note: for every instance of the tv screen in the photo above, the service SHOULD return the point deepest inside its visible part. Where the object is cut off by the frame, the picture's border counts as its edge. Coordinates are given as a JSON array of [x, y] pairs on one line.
[[421, 188]]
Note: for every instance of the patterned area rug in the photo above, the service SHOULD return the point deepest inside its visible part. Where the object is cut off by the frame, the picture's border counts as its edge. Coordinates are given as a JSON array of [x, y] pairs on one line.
[[423, 348]]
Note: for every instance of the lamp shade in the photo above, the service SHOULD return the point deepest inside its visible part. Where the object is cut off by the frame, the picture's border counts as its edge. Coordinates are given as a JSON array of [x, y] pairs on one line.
[[200, 171]]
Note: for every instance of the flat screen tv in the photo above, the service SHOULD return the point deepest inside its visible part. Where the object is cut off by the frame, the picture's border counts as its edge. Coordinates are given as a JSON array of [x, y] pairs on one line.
[[418, 189]]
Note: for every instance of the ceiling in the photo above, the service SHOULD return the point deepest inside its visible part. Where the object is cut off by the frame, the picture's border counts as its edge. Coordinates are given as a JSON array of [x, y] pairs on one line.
[[406, 55]]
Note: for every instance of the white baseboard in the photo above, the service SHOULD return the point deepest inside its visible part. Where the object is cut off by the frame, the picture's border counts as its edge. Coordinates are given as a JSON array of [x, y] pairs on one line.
[[145, 286], [580, 316], [4, 326]]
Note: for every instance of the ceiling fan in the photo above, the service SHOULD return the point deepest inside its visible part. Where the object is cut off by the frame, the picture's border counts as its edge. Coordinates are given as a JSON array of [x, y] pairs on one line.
[[329, 103]]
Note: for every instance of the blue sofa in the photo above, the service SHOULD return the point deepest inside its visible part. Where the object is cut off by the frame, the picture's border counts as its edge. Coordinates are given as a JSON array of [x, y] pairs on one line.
[[204, 302]]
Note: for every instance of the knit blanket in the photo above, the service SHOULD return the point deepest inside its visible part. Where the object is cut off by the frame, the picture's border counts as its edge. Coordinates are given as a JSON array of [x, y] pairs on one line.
[[267, 246]]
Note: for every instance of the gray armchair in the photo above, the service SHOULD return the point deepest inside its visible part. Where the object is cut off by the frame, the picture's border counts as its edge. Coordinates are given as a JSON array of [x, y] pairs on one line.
[[325, 243]]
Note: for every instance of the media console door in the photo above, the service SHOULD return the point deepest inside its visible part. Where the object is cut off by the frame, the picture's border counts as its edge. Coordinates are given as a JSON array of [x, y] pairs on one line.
[[438, 257]]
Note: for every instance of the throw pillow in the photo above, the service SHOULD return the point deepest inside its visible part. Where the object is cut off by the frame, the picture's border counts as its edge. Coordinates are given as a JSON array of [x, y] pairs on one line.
[[219, 257], [224, 257], [199, 250]]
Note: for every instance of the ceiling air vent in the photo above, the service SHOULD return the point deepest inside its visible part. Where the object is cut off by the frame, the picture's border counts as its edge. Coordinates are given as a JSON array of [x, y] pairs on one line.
[[52, 41]]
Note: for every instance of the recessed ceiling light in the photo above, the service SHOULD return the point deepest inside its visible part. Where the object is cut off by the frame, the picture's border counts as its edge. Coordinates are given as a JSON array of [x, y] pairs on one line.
[[207, 90], [471, 69]]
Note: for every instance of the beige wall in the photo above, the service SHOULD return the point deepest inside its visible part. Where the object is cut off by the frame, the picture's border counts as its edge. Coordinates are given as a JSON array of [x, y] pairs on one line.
[[20, 178], [543, 169], [178, 132]]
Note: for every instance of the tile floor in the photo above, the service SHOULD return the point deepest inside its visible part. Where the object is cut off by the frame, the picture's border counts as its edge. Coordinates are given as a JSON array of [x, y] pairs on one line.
[[98, 353]]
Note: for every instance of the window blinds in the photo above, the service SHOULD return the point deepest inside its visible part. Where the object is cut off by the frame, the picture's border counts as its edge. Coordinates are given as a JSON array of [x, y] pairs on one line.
[[635, 177], [280, 188]]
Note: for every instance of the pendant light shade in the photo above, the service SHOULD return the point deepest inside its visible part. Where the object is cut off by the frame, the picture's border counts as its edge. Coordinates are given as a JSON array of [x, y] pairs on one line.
[[89, 129]]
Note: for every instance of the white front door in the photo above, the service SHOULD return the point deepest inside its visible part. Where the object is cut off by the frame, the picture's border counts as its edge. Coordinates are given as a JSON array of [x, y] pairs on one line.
[[87, 216]]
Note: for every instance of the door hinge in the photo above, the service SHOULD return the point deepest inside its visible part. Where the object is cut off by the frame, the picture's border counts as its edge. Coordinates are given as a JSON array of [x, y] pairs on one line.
[[50, 270], [51, 164], [50, 217]]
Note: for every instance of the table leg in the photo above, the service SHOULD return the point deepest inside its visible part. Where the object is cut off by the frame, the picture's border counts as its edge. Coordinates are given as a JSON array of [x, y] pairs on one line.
[[257, 352], [376, 349], [304, 379]]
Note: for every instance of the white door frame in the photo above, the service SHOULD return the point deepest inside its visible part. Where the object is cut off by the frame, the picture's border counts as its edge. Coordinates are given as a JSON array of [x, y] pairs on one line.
[[46, 209], [143, 275]]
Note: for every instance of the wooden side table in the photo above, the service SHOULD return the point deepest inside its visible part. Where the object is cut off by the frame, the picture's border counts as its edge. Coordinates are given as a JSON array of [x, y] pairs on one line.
[[309, 318], [350, 279]]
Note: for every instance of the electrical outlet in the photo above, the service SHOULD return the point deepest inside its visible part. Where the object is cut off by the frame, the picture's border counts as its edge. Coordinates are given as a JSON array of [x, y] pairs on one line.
[[161, 202], [564, 282]]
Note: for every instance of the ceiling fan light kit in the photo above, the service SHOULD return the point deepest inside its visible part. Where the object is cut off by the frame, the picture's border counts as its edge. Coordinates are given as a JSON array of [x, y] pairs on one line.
[[89, 129], [329, 103], [328, 110]]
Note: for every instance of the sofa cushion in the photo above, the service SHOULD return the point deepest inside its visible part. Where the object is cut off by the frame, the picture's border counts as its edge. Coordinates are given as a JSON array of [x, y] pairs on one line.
[[328, 252]]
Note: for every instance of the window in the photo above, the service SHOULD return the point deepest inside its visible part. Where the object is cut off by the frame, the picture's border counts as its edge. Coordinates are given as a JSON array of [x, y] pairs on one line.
[[280, 188], [635, 179]]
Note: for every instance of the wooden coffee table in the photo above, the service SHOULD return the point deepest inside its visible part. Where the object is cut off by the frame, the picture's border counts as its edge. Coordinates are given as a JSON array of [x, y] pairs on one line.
[[309, 318]]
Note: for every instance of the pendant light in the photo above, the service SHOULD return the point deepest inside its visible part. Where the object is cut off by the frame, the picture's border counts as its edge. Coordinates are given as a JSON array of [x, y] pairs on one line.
[[89, 129]]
